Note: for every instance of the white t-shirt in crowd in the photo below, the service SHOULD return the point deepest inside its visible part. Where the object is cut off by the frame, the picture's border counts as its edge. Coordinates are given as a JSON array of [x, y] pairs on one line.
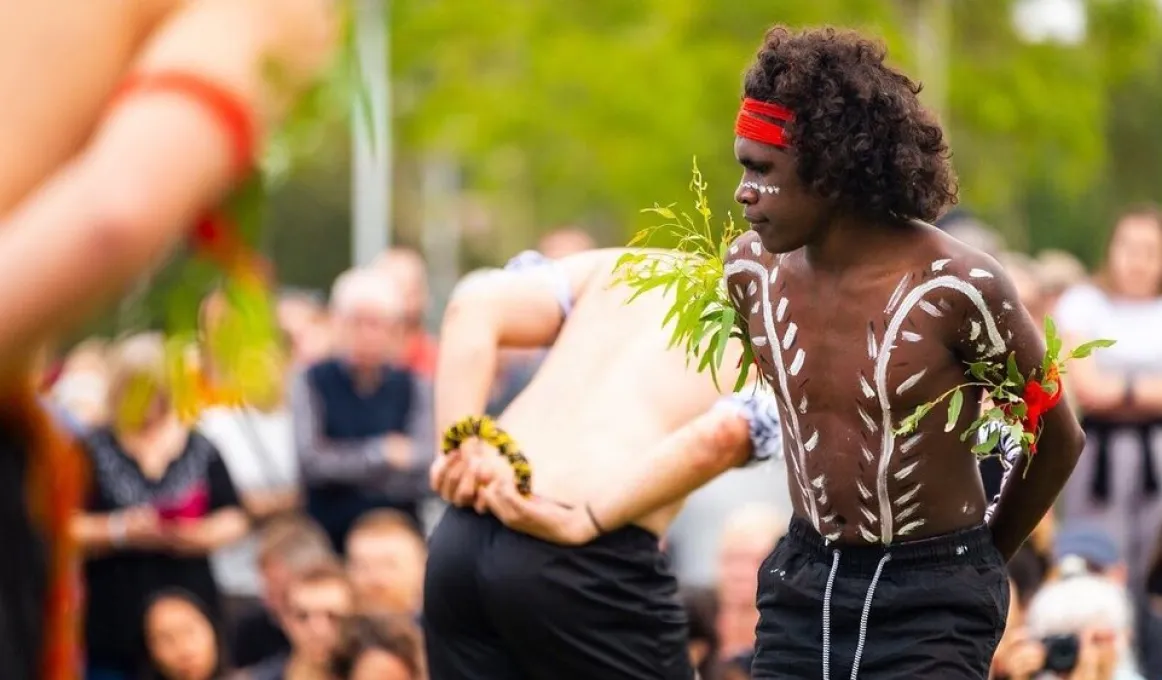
[[258, 449], [1089, 313]]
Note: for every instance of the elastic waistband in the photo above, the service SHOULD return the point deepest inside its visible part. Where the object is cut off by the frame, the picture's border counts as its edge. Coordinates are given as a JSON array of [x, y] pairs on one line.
[[629, 537], [971, 545]]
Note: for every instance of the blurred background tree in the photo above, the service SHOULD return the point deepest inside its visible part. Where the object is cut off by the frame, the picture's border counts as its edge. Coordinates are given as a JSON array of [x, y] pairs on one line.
[[540, 113]]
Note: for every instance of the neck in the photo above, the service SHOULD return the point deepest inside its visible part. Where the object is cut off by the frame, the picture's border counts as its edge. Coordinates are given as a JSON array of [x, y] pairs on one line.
[[848, 240]]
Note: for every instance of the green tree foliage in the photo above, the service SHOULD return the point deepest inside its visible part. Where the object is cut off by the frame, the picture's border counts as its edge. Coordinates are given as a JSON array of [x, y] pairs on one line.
[[586, 111]]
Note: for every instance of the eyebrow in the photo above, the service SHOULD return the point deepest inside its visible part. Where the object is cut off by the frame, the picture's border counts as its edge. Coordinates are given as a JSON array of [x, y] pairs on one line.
[[754, 164]]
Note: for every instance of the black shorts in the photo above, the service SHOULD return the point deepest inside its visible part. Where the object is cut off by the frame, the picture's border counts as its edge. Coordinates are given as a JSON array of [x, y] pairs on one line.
[[500, 605], [937, 609]]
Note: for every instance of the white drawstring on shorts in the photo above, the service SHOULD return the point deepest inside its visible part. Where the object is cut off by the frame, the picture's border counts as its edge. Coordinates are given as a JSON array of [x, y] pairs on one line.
[[863, 619]]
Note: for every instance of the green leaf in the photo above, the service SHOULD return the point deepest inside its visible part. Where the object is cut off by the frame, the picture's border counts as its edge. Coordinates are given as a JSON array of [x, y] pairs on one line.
[[987, 446], [1085, 349], [979, 370], [954, 406], [1013, 373]]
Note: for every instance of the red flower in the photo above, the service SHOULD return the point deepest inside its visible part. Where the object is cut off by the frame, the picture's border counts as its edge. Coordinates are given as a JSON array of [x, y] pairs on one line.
[[1038, 402]]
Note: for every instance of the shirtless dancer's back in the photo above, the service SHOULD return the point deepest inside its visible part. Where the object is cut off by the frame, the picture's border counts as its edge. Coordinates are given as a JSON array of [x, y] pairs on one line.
[[500, 604], [92, 195]]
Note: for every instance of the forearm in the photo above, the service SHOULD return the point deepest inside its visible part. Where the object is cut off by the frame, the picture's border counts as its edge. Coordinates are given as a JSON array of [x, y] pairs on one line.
[[327, 462], [682, 463], [1145, 395], [220, 529], [466, 366], [152, 166], [96, 532], [1033, 486], [267, 503]]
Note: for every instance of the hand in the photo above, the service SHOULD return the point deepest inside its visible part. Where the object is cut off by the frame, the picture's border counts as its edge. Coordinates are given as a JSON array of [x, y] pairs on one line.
[[397, 450], [1021, 657], [458, 475], [538, 517], [1097, 656], [187, 537], [140, 527]]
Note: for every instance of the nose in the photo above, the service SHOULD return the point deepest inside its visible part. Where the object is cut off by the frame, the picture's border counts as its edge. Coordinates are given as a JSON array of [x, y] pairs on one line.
[[745, 194]]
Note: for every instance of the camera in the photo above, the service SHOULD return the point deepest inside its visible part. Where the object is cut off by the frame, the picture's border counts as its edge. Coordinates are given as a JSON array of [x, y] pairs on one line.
[[1061, 653]]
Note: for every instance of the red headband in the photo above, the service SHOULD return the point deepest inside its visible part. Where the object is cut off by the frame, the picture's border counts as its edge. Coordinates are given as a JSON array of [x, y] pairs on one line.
[[750, 126]]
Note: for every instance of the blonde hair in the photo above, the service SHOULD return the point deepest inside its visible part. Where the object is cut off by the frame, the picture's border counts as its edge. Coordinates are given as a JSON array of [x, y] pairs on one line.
[[295, 541], [139, 393], [385, 522]]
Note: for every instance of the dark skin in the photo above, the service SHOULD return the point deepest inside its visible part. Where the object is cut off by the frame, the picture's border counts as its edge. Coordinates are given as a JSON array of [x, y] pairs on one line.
[[843, 277]]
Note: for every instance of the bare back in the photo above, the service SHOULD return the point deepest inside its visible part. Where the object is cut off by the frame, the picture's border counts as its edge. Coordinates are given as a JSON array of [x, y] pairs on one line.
[[59, 61], [609, 388], [851, 354]]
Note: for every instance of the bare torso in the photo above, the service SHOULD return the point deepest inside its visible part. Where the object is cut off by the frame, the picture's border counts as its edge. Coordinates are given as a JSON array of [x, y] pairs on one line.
[[59, 61], [608, 388], [849, 356]]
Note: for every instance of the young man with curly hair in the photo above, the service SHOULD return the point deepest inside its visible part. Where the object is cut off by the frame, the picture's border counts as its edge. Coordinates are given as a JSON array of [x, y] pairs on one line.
[[859, 311]]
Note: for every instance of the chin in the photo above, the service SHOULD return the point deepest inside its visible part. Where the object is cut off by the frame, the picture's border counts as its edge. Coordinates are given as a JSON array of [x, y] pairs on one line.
[[775, 242]]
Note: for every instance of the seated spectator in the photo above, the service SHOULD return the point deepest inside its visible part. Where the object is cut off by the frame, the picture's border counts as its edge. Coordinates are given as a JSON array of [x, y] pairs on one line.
[[352, 414], [319, 602], [1084, 626], [161, 502], [386, 556], [287, 546], [1087, 549], [182, 641], [1119, 390], [381, 648]]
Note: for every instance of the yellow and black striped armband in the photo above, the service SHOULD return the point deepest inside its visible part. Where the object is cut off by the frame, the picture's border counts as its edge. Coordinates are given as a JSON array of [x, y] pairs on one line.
[[485, 429]]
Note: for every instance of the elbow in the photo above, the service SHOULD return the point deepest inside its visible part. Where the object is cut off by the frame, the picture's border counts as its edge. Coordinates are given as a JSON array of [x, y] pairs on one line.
[[468, 318], [125, 234]]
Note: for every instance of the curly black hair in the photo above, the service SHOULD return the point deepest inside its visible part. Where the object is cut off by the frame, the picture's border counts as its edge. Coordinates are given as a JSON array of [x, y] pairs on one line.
[[861, 138]]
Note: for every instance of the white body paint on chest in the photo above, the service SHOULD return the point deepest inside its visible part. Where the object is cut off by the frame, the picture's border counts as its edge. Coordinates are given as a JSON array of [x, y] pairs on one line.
[[900, 511], [801, 443]]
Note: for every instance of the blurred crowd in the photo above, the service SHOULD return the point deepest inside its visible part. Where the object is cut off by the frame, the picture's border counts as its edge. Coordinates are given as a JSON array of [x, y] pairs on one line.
[[287, 540]]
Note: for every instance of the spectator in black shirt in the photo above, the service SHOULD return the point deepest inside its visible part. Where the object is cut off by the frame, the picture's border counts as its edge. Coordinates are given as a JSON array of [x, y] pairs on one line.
[[352, 413], [161, 501]]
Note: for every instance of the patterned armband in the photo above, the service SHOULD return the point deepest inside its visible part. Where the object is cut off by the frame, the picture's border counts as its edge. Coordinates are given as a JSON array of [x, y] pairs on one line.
[[761, 412], [531, 260]]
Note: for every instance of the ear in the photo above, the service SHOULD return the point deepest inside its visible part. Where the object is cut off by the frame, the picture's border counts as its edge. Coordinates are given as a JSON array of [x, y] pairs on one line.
[[1118, 574]]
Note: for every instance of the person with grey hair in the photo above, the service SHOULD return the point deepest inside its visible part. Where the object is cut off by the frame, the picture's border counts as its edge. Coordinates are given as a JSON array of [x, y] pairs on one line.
[[1084, 625], [353, 412]]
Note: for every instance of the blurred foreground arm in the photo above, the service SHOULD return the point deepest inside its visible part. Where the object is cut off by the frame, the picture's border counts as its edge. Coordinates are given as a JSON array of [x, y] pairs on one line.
[[152, 166]]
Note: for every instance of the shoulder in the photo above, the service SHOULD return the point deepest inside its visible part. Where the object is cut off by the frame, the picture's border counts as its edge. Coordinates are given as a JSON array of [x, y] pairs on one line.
[[321, 371], [401, 378], [745, 258], [959, 266], [745, 248]]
